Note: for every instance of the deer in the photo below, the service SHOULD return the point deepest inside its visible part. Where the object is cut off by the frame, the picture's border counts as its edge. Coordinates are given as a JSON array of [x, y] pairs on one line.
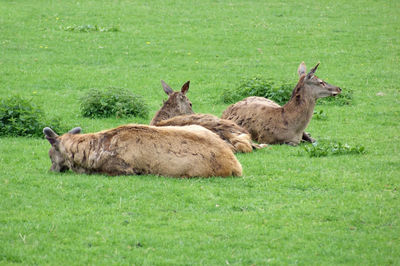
[[188, 151], [177, 111], [270, 123]]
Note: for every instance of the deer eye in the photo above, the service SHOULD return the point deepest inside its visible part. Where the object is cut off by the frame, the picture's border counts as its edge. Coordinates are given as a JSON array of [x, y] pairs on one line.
[[322, 83]]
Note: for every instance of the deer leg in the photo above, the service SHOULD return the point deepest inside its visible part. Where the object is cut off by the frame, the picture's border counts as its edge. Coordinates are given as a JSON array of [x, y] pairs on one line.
[[307, 137], [290, 143], [256, 146]]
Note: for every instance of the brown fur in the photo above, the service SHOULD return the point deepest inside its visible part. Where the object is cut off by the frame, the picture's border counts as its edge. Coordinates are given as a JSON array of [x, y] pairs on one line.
[[139, 149], [177, 111], [236, 137], [271, 123]]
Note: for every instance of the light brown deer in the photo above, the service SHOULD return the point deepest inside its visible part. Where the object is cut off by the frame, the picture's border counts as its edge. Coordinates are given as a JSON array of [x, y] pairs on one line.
[[177, 111], [177, 104], [190, 151], [270, 123]]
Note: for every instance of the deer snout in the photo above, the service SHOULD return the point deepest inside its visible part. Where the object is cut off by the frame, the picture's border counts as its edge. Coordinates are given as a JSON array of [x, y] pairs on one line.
[[336, 91]]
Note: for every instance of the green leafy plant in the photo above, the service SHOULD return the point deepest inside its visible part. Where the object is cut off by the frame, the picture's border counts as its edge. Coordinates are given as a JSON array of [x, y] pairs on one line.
[[90, 28], [20, 117], [258, 86], [332, 148], [320, 115], [117, 102]]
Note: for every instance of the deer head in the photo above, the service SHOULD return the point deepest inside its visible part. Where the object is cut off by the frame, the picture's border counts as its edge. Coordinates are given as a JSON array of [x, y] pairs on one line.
[[58, 162], [313, 85], [178, 103]]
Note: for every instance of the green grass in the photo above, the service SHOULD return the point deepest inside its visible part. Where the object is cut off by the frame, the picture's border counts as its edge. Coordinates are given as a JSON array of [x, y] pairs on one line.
[[288, 208]]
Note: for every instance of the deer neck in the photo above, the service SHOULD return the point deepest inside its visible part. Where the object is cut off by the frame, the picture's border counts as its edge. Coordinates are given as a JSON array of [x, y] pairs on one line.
[[76, 148], [163, 114], [299, 110], [84, 152]]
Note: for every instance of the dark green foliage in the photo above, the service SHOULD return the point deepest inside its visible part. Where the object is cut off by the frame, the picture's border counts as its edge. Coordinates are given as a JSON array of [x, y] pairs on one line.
[[332, 148], [20, 117], [112, 102], [90, 28], [344, 98], [258, 86]]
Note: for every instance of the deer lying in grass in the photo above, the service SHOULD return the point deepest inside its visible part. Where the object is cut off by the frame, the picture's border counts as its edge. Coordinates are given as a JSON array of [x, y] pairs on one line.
[[139, 149], [177, 111], [271, 123]]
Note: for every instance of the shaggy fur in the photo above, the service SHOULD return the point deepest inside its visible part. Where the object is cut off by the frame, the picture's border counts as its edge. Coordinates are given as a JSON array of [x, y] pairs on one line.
[[270, 123], [139, 149]]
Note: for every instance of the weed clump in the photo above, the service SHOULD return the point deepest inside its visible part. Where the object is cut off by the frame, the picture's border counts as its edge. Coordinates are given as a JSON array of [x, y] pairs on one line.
[[257, 86], [332, 148], [90, 28], [20, 117], [116, 102], [319, 115]]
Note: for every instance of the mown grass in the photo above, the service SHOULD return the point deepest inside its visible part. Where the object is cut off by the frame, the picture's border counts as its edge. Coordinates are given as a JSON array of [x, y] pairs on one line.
[[287, 208]]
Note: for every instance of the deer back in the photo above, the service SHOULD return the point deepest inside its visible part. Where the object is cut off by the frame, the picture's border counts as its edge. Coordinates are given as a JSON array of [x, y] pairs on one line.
[[235, 136]]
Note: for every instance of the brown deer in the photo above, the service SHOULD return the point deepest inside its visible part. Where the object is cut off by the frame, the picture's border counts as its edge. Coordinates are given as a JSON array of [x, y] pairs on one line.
[[177, 103], [270, 123], [177, 111], [190, 151]]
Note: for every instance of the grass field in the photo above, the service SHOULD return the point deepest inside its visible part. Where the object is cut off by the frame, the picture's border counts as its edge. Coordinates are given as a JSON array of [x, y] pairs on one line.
[[288, 208]]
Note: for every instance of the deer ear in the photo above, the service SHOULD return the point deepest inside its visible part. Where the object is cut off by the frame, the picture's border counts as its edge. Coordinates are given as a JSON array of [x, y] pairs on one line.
[[76, 130], [185, 87], [48, 132], [302, 69], [168, 90], [312, 71], [50, 135]]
